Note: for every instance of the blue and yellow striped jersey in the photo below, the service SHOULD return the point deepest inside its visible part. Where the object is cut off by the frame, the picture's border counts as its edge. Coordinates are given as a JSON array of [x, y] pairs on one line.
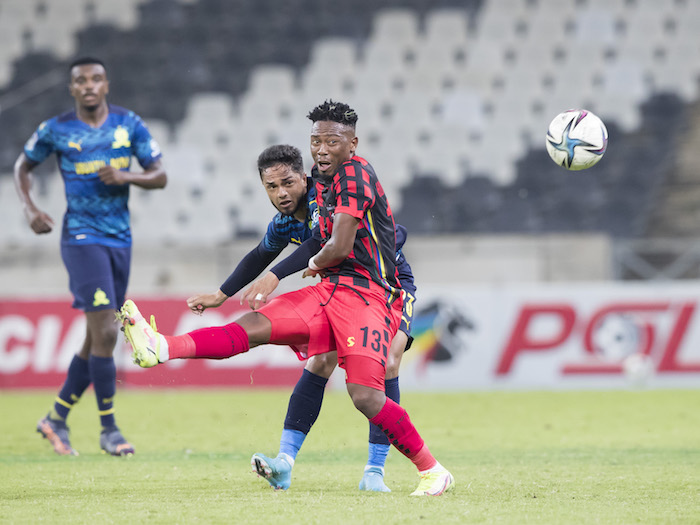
[[96, 213]]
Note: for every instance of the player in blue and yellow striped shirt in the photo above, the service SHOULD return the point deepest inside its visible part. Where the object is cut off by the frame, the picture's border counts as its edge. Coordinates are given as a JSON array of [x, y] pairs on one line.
[[93, 144]]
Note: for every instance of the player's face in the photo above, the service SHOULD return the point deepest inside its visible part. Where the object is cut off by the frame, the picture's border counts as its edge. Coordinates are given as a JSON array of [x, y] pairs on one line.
[[332, 143], [285, 188], [89, 85]]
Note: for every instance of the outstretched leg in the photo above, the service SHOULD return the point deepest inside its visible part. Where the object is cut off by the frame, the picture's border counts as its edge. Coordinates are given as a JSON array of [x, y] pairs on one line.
[[151, 348]]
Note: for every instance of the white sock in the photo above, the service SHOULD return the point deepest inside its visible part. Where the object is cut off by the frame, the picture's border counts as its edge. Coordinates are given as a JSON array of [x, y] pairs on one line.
[[163, 354], [435, 468]]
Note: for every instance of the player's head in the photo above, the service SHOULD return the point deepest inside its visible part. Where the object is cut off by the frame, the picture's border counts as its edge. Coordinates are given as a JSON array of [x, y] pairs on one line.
[[281, 170], [88, 82], [333, 139]]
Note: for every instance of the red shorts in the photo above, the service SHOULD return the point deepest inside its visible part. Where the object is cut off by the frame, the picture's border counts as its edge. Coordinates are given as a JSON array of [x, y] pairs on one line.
[[364, 371], [327, 317]]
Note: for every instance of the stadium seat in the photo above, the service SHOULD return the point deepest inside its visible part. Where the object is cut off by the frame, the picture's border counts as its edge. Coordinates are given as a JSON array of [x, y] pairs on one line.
[[124, 14], [208, 123], [271, 94], [449, 26], [210, 108], [395, 26], [329, 54], [443, 154], [623, 89], [463, 107]]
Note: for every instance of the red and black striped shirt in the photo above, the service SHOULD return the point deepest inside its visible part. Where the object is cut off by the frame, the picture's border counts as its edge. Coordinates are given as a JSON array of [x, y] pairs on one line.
[[356, 191]]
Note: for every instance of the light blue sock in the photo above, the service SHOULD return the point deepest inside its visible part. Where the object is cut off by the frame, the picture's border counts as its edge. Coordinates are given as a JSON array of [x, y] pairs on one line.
[[291, 442], [377, 454]]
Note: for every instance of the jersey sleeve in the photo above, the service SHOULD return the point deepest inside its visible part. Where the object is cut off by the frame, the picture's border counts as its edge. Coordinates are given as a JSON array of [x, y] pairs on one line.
[[405, 274], [145, 148], [40, 145], [248, 269], [275, 240], [298, 259], [354, 191], [404, 269], [401, 235]]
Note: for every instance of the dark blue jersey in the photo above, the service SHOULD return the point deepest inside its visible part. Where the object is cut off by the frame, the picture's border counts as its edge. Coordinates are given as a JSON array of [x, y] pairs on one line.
[[96, 213]]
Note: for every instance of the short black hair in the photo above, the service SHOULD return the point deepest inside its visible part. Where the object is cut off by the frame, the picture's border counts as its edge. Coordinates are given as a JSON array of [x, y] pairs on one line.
[[335, 112], [281, 154], [84, 61]]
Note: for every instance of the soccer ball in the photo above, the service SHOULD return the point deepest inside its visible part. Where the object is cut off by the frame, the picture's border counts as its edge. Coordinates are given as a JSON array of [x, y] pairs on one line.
[[576, 139], [638, 369]]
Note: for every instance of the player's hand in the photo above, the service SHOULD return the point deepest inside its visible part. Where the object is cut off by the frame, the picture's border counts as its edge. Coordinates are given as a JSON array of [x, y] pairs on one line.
[[112, 176], [199, 303], [256, 295], [39, 221], [312, 273]]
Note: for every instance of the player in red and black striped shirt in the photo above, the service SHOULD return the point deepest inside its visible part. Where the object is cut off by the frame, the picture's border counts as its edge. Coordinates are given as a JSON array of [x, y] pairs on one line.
[[355, 309]]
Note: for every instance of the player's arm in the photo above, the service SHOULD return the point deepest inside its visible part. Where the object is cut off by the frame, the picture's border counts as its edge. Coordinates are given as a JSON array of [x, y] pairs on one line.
[[39, 221], [248, 269], [153, 177], [258, 293], [338, 246]]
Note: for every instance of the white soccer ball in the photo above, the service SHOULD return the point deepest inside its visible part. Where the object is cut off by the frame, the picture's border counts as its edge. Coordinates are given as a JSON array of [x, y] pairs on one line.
[[638, 368], [576, 139]]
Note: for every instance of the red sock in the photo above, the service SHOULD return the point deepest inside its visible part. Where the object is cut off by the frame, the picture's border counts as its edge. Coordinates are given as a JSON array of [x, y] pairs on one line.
[[393, 420], [218, 342]]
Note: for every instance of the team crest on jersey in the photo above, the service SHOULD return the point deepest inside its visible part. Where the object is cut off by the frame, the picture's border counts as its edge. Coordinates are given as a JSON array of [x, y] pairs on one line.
[[100, 298], [121, 138], [313, 221]]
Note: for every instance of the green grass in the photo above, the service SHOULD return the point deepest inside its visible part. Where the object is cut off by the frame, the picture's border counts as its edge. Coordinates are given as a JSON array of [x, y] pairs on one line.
[[536, 457]]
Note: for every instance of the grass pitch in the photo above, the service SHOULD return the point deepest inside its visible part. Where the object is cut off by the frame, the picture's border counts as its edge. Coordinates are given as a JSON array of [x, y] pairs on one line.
[[529, 457]]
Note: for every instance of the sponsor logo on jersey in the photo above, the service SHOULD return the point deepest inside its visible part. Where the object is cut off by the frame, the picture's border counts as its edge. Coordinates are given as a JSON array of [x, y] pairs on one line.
[[121, 138], [92, 166]]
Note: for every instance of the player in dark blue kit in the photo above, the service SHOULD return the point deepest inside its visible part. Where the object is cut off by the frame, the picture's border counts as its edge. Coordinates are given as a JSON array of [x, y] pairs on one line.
[[93, 144], [294, 195]]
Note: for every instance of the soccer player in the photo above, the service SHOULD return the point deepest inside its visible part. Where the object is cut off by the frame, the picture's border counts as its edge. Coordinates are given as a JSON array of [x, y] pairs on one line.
[[355, 309], [93, 144], [282, 174]]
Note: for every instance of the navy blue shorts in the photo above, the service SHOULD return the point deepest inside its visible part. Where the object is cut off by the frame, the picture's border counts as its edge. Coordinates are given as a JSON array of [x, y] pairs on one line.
[[97, 275], [407, 314]]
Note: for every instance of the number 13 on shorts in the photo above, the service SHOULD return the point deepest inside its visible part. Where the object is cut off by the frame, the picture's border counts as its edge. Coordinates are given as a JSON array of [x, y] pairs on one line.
[[379, 341]]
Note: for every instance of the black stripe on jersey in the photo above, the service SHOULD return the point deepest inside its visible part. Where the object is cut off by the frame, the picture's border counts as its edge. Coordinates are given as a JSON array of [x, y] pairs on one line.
[[355, 174]]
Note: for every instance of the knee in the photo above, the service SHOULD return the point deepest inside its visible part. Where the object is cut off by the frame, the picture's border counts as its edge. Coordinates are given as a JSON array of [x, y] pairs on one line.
[[104, 340], [367, 400], [322, 364], [257, 326]]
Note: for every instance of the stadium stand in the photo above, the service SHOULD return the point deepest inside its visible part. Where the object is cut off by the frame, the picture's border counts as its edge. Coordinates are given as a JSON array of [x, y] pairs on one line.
[[454, 98]]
